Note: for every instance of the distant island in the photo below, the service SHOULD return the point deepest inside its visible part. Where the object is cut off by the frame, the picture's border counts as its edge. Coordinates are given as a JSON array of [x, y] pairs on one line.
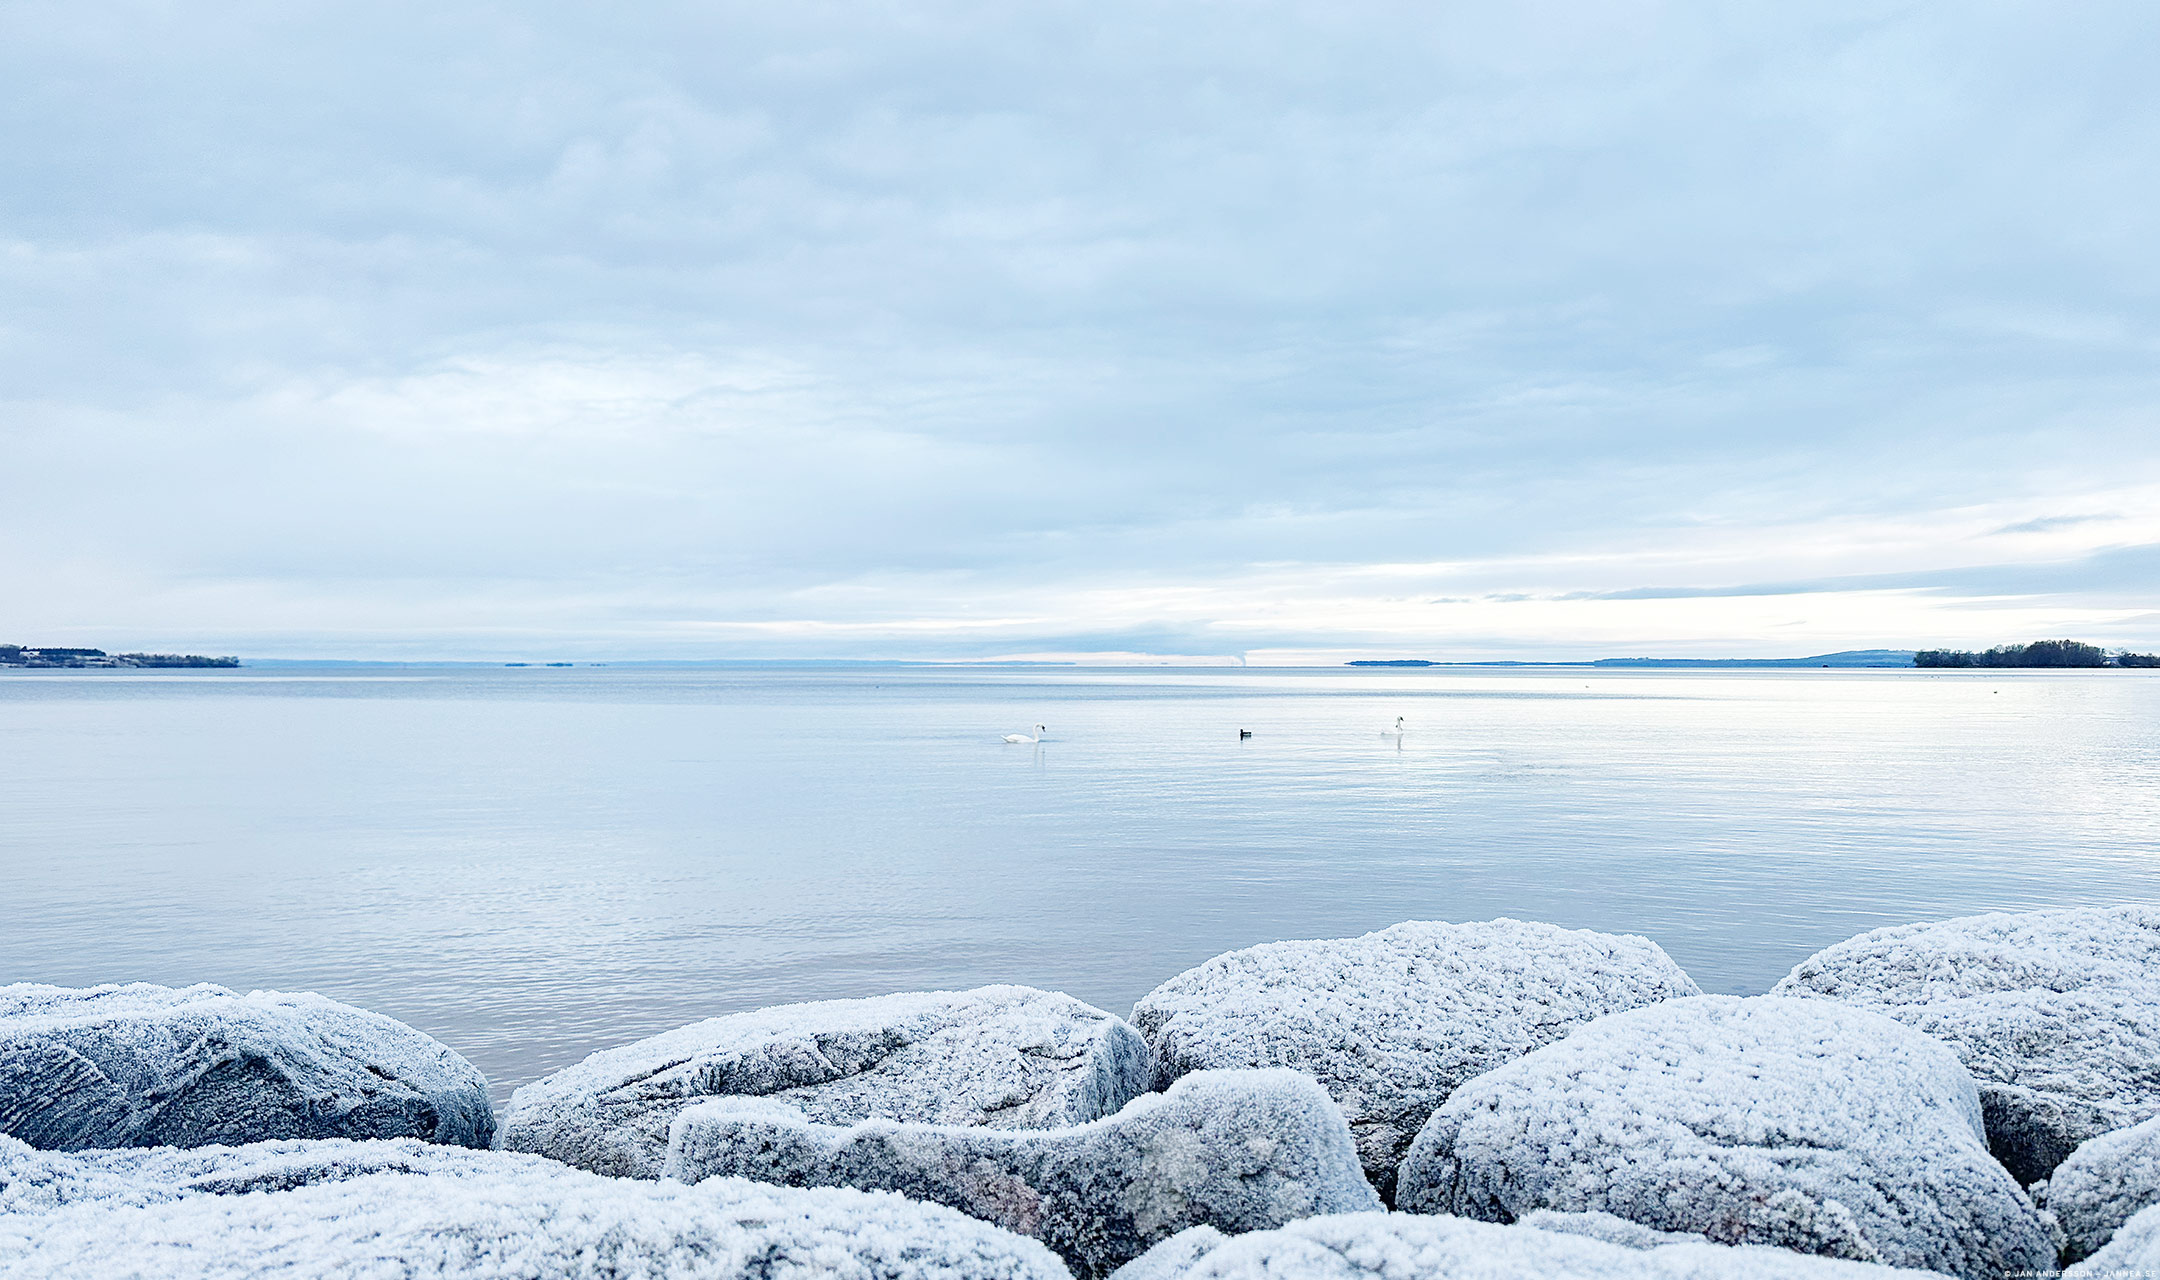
[[2040, 653], [49, 658]]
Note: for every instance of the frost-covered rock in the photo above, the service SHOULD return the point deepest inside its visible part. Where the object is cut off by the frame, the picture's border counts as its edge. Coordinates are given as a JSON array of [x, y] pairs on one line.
[[1392, 1022], [2103, 1184], [1238, 1150], [2055, 1013], [2132, 1253], [33, 1180], [1798, 1123], [1403, 1246], [1001, 1057], [145, 1066], [404, 1210], [1609, 1228]]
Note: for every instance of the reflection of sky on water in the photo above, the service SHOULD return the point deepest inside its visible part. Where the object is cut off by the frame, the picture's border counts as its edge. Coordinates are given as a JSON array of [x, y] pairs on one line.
[[535, 864]]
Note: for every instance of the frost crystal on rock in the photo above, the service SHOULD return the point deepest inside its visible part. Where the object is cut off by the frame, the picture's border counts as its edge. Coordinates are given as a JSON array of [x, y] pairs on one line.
[[1001, 1057], [2055, 1013], [145, 1066], [2104, 1184], [1403, 1246], [1390, 1023], [1237, 1150], [407, 1211], [2132, 1253], [1798, 1123]]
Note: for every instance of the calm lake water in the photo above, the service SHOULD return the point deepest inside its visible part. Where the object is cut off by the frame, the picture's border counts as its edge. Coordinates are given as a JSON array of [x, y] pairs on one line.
[[532, 864]]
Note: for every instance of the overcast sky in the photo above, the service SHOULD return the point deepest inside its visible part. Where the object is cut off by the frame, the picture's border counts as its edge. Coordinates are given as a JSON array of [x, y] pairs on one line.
[[970, 329]]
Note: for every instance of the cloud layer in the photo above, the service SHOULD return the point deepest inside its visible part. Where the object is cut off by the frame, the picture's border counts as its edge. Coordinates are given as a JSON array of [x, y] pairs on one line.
[[966, 330]]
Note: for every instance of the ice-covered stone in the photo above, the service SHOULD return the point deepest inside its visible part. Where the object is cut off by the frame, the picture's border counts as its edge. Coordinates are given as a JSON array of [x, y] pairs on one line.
[[32, 1179], [1404, 1246], [2132, 1253], [2103, 1184], [1000, 1057], [1609, 1228], [1238, 1150], [1798, 1123], [404, 1210], [2055, 1013], [145, 1066], [1390, 1023]]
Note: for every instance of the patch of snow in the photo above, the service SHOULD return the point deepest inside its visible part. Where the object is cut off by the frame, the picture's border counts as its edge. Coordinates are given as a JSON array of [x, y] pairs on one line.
[[1799, 1123], [1235, 1150], [2055, 1013], [1402, 1246], [1392, 1022], [145, 1066], [1000, 1057]]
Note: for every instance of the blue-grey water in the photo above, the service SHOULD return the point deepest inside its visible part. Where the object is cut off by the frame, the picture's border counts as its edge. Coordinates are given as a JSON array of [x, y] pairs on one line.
[[532, 864]]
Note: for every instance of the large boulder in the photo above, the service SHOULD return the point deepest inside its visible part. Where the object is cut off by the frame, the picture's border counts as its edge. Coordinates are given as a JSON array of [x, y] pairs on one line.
[[404, 1210], [1238, 1150], [999, 1057], [2103, 1184], [1391, 1023], [1797, 1123], [145, 1066], [2132, 1253], [1401, 1246], [2055, 1013]]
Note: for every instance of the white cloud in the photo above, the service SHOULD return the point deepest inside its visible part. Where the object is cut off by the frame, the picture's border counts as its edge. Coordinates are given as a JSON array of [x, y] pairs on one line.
[[931, 328]]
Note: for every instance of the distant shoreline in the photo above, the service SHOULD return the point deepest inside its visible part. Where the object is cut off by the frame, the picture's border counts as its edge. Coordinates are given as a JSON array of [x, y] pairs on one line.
[[33, 658], [1849, 659]]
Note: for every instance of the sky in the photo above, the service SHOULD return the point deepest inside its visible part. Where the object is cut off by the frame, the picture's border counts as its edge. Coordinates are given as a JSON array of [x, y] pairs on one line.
[[1279, 332]]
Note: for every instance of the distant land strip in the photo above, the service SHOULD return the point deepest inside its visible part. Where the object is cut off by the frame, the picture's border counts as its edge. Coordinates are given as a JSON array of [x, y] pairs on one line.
[[17, 655], [1848, 658], [2039, 655]]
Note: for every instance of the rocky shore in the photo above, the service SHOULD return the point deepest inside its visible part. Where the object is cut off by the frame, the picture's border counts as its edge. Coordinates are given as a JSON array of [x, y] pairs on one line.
[[1977, 1098]]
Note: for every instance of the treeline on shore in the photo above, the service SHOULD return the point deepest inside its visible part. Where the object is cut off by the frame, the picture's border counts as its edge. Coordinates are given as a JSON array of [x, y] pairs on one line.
[[2040, 653], [16, 655]]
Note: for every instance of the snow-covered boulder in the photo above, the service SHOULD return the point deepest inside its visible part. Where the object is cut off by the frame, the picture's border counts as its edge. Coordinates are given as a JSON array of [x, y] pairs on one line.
[[145, 1066], [2103, 1184], [1001, 1057], [1238, 1150], [2132, 1253], [33, 1181], [1392, 1022], [1403, 1246], [1798, 1123], [403, 1210], [2055, 1013], [1607, 1227]]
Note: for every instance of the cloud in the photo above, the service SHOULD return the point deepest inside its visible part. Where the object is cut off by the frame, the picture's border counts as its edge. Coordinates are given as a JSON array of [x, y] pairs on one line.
[[927, 329], [2048, 524]]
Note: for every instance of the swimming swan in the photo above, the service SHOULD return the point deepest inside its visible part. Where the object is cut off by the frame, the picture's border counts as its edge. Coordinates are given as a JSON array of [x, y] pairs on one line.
[[1021, 737], [1395, 732]]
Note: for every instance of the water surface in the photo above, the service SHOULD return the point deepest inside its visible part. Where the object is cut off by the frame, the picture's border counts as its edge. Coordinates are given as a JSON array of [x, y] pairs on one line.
[[531, 864]]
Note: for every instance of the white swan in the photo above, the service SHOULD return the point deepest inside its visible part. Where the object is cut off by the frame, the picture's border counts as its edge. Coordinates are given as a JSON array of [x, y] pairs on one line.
[[1395, 732], [1021, 737]]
